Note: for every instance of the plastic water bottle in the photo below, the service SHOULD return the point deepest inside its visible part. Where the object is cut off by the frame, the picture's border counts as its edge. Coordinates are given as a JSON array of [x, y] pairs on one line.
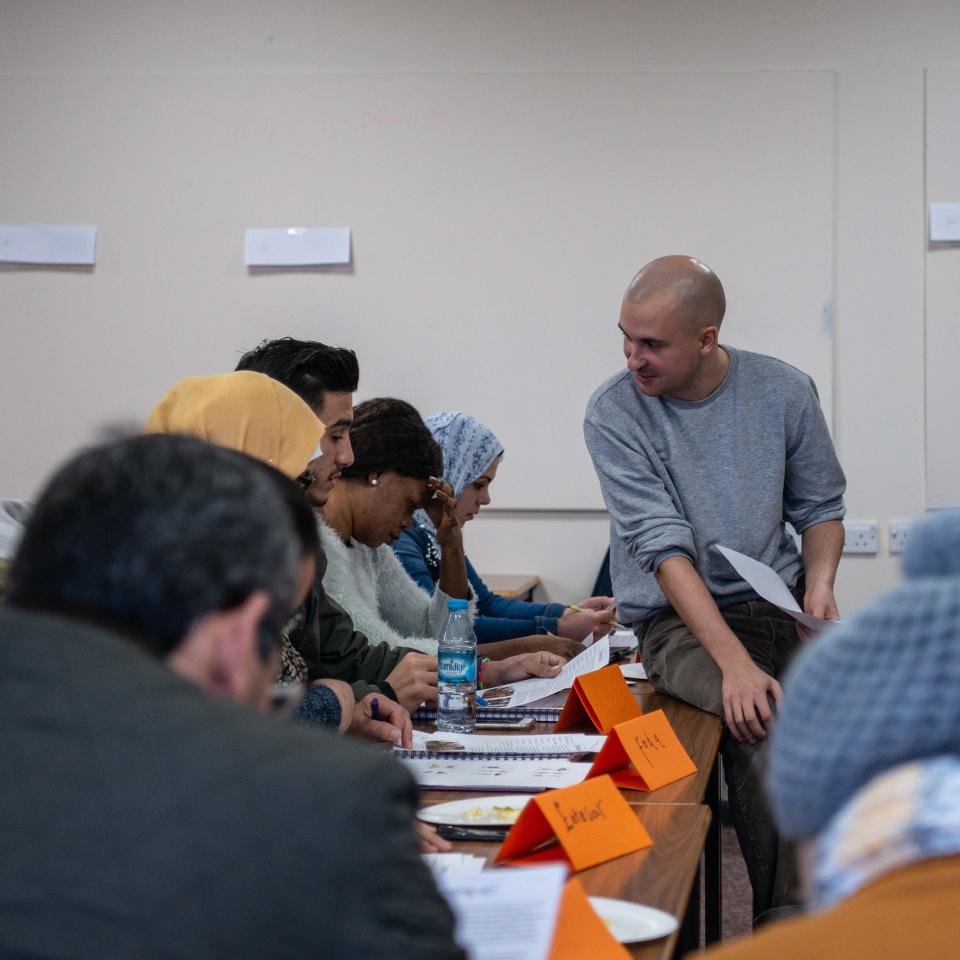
[[457, 680]]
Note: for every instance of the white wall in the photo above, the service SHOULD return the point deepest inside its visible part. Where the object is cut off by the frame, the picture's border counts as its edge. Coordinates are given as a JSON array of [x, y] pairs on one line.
[[878, 50]]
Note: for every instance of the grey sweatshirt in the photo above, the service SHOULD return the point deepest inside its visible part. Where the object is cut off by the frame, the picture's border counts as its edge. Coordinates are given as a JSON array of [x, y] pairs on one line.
[[680, 476]]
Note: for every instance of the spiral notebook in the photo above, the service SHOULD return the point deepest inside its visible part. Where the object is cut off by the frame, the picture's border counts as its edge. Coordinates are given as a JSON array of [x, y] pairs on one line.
[[472, 746], [494, 713]]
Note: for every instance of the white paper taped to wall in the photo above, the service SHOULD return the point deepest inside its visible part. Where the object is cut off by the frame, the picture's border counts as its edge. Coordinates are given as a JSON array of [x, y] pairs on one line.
[[297, 247], [38, 243]]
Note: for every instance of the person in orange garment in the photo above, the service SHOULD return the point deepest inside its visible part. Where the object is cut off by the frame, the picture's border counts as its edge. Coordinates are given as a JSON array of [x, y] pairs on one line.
[[865, 771]]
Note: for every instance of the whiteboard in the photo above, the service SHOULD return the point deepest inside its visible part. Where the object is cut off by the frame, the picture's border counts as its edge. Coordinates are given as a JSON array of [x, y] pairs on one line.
[[943, 292], [496, 220]]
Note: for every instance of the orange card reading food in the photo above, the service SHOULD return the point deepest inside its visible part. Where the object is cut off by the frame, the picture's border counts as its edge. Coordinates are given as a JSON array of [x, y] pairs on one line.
[[643, 754], [580, 932], [602, 697], [591, 822]]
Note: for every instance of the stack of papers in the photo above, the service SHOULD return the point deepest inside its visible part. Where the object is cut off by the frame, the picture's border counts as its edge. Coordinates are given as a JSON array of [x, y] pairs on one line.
[[622, 640], [505, 914], [441, 863]]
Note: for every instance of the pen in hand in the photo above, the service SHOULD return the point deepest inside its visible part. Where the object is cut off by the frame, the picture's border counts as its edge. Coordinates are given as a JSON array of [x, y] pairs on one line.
[[375, 709]]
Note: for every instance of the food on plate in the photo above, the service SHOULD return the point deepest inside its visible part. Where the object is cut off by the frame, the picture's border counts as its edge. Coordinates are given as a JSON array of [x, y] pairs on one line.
[[492, 814]]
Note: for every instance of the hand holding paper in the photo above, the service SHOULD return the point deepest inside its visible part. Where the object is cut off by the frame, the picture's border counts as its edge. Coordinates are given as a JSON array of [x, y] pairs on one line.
[[768, 584]]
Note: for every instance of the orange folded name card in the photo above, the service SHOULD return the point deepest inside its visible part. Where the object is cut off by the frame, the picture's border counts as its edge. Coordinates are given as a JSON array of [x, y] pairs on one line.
[[602, 697], [580, 932], [591, 822], [643, 754]]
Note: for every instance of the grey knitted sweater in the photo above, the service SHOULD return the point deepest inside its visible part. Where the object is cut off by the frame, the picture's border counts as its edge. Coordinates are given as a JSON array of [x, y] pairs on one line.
[[679, 477]]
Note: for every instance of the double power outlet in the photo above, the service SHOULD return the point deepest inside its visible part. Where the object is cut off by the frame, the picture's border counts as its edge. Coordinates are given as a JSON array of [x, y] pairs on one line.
[[862, 536]]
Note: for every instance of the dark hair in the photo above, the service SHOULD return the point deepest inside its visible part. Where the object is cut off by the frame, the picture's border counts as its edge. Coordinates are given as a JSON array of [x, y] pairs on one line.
[[147, 534], [307, 367], [389, 434]]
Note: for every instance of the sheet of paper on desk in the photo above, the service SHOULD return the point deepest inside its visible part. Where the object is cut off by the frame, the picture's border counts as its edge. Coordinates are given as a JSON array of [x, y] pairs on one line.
[[526, 691], [495, 776], [622, 640], [556, 744], [633, 671], [769, 585], [505, 914]]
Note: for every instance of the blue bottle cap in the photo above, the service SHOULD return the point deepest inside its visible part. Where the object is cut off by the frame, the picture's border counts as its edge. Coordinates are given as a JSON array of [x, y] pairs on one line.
[[457, 604]]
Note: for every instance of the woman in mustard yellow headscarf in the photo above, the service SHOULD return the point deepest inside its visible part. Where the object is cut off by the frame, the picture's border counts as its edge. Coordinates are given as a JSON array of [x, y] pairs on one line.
[[245, 411], [262, 418]]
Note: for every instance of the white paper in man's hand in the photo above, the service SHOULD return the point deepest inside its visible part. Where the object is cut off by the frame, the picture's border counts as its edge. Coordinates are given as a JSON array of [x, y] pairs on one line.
[[769, 585]]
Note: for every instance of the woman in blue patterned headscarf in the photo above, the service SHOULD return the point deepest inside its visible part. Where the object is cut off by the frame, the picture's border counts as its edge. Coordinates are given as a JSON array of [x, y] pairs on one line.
[[471, 457]]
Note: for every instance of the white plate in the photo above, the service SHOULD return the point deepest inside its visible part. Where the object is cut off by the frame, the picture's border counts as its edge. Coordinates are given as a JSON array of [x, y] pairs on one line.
[[633, 922], [480, 810]]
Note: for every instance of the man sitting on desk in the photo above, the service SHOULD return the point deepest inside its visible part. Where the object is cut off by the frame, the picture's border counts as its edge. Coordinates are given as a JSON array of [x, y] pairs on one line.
[[697, 445]]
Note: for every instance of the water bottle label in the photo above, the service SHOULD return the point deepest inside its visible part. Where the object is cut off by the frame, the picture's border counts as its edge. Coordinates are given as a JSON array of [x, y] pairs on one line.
[[457, 667]]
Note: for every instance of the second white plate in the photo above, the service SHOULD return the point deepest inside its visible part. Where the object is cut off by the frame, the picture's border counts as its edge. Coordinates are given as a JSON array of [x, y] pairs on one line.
[[633, 922], [499, 811]]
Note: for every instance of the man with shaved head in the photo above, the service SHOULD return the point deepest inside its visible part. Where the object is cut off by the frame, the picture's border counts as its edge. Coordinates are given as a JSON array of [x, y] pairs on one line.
[[698, 445]]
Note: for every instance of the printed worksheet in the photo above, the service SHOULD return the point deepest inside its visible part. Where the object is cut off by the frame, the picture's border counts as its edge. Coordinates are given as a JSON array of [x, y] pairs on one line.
[[505, 914], [511, 695]]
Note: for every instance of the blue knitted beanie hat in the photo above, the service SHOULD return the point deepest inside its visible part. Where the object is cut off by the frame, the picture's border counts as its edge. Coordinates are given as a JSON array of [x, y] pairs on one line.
[[875, 692], [933, 547]]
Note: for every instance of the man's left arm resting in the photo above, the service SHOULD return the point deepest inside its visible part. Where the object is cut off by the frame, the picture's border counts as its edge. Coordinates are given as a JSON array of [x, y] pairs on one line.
[[822, 545]]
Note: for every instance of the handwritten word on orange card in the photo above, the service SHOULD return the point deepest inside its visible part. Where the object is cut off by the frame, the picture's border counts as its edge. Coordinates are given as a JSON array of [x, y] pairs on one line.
[[602, 697], [643, 754], [591, 822], [580, 932]]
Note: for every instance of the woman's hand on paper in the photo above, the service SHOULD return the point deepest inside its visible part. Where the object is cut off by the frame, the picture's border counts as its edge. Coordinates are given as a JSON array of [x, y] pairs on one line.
[[521, 667]]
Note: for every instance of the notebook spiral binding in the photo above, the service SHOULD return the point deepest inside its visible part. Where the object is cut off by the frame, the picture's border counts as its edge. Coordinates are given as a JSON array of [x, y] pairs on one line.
[[474, 755], [543, 714]]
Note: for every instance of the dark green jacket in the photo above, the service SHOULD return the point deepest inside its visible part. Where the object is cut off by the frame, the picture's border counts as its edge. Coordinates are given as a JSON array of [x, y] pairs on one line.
[[333, 650]]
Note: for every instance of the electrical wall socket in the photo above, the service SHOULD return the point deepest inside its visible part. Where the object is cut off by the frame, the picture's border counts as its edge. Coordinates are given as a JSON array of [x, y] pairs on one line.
[[860, 536], [899, 529]]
